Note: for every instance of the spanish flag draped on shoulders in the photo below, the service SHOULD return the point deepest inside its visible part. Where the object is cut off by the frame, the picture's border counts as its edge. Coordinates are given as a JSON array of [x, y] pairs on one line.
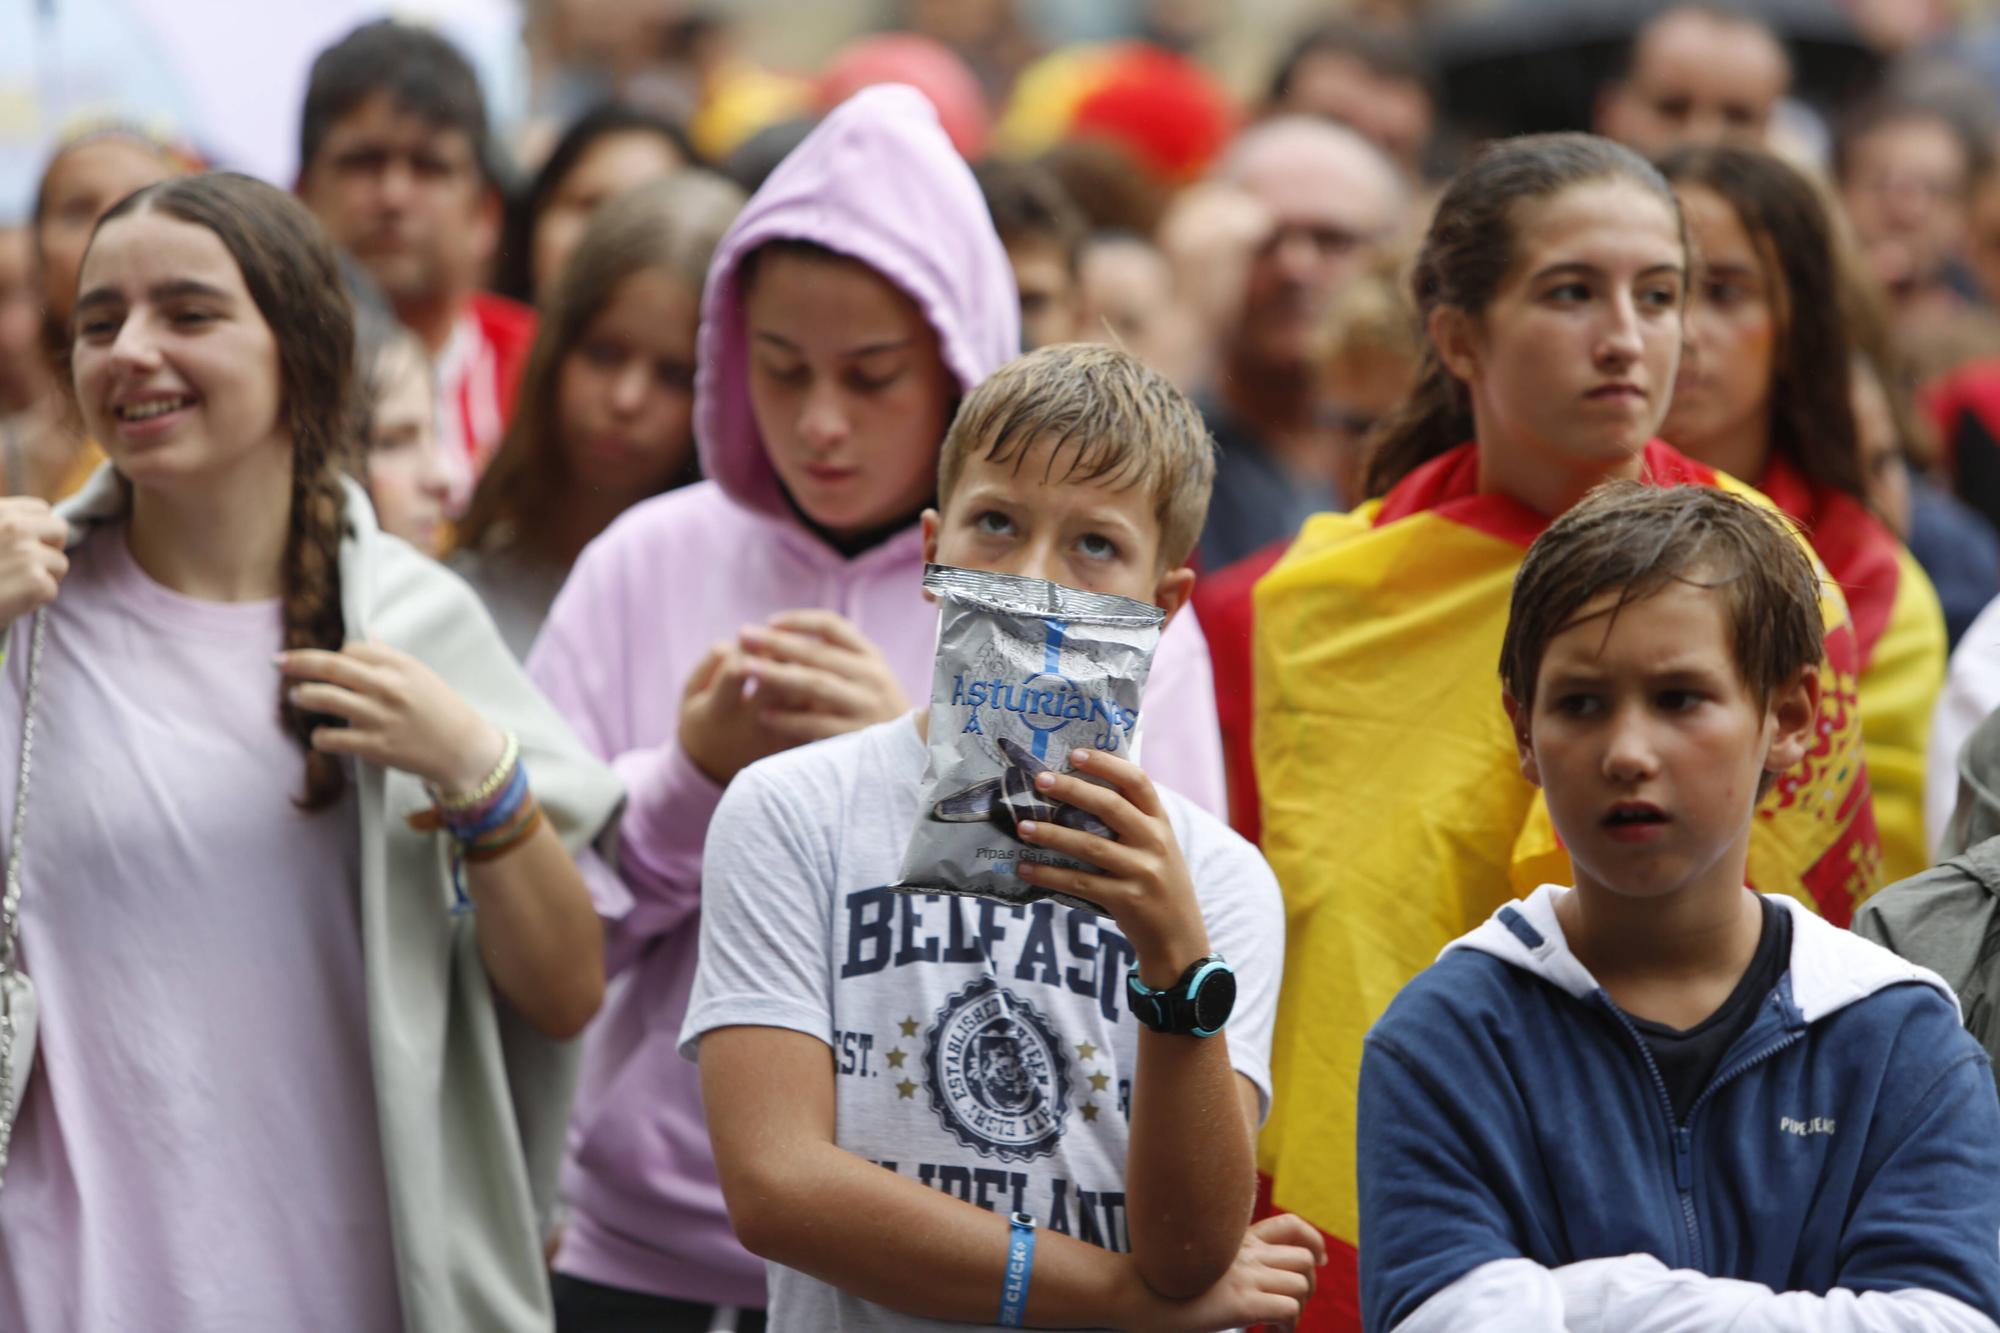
[[1899, 633], [1395, 813]]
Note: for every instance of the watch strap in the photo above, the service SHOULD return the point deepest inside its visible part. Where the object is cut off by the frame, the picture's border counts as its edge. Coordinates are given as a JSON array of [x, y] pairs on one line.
[[1175, 1009]]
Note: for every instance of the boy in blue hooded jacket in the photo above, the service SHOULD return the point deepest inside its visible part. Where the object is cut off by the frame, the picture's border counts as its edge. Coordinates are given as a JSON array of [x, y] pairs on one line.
[[1656, 1100]]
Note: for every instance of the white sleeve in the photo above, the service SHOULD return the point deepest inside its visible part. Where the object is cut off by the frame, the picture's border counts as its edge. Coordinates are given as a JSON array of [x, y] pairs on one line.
[[1245, 916], [1639, 1294], [1518, 1295], [766, 898]]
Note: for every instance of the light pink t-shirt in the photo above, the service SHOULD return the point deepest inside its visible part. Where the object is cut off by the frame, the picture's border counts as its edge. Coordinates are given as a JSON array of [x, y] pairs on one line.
[[198, 1148]]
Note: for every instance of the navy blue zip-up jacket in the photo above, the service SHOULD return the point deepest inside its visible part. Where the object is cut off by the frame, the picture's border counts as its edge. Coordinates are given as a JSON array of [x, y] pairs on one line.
[[1520, 1167]]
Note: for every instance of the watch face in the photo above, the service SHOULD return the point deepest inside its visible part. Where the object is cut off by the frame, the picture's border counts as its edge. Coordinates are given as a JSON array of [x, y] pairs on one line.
[[1214, 1000]]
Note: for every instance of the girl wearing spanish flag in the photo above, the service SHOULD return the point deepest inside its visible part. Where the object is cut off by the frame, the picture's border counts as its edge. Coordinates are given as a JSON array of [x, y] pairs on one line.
[[1552, 287], [1765, 394]]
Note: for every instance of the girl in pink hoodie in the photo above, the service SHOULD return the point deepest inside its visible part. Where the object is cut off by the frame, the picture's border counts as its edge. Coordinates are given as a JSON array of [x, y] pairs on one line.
[[858, 296]]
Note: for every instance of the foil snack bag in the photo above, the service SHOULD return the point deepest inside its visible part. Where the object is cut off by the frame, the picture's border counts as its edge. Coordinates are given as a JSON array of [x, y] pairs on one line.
[[1027, 671]]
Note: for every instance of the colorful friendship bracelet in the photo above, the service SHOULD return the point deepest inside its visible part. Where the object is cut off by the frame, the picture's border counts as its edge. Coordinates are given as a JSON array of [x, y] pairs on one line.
[[507, 839], [502, 824], [488, 822], [469, 826]]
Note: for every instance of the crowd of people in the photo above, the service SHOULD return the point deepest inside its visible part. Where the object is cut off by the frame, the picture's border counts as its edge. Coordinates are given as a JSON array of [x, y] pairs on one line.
[[466, 656]]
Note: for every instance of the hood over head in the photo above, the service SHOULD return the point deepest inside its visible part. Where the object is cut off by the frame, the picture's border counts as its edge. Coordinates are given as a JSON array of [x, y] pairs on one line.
[[880, 182]]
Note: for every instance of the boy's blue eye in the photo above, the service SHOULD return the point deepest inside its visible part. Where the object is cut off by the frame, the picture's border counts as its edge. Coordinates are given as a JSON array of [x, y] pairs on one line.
[[1577, 705], [1097, 546], [994, 522], [1679, 701]]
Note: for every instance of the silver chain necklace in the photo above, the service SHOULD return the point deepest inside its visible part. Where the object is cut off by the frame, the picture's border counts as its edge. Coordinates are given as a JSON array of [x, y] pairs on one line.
[[10, 901]]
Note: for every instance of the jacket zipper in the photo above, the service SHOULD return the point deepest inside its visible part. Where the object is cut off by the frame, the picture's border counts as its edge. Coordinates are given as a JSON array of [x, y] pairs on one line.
[[1677, 1135], [1683, 1135]]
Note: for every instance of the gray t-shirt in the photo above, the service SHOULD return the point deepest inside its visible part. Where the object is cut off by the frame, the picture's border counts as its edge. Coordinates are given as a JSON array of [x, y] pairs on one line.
[[985, 1050], [517, 592]]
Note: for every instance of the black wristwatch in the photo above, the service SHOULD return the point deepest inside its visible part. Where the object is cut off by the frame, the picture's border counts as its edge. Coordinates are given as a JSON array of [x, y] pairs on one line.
[[1196, 1006]]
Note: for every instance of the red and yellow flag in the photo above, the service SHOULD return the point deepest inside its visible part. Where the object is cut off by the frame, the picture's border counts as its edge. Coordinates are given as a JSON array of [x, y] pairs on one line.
[[1394, 810], [1899, 629]]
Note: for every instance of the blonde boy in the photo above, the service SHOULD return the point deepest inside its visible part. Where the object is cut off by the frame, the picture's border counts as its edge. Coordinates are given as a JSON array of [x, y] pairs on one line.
[[941, 1109]]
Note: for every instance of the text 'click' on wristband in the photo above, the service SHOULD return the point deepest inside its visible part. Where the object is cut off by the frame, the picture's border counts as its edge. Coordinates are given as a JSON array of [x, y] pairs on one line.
[[1020, 1267]]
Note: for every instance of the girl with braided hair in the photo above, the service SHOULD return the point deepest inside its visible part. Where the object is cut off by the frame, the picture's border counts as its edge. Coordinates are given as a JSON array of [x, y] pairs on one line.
[[307, 938]]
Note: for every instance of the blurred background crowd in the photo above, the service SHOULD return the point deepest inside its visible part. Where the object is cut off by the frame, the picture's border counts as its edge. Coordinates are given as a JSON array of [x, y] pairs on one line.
[[527, 194], [1229, 190]]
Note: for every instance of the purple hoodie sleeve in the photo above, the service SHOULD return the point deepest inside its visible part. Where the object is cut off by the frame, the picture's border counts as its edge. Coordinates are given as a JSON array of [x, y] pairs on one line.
[[577, 664], [1183, 739]]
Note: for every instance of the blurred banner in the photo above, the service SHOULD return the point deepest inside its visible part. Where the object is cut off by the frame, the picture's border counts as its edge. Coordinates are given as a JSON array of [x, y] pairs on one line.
[[223, 76]]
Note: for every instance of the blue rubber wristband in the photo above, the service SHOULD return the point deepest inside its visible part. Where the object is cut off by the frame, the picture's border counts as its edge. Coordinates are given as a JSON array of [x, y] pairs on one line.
[[1020, 1267]]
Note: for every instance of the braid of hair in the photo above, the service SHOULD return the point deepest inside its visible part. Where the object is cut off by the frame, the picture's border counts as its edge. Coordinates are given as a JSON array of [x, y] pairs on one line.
[[312, 607]]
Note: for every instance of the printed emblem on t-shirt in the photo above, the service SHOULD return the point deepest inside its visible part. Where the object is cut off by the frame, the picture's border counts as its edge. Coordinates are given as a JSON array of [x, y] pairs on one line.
[[998, 1081]]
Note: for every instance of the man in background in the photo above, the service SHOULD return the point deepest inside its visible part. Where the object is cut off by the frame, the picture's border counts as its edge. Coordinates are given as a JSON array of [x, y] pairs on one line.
[[397, 163], [1330, 200]]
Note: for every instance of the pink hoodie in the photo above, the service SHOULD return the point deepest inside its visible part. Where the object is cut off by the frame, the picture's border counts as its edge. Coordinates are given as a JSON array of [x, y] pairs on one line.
[[879, 181]]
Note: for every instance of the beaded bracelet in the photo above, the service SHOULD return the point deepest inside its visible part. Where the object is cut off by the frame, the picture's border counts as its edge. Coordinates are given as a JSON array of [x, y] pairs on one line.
[[469, 826], [510, 754], [495, 820], [492, 820]]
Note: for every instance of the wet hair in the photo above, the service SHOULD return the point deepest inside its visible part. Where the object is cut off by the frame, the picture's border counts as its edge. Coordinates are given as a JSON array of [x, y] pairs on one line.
[[1115, 422], [1812, 408], [1466, 255], [671, 225], [1381, 51], [421, 70], [517, 252], [288, 267], [1029, 206], [1632, 539]]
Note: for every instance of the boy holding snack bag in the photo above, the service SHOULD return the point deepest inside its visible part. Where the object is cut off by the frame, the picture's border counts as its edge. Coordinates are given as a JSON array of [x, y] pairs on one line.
[[1004, 1110], [1657, 1100]]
